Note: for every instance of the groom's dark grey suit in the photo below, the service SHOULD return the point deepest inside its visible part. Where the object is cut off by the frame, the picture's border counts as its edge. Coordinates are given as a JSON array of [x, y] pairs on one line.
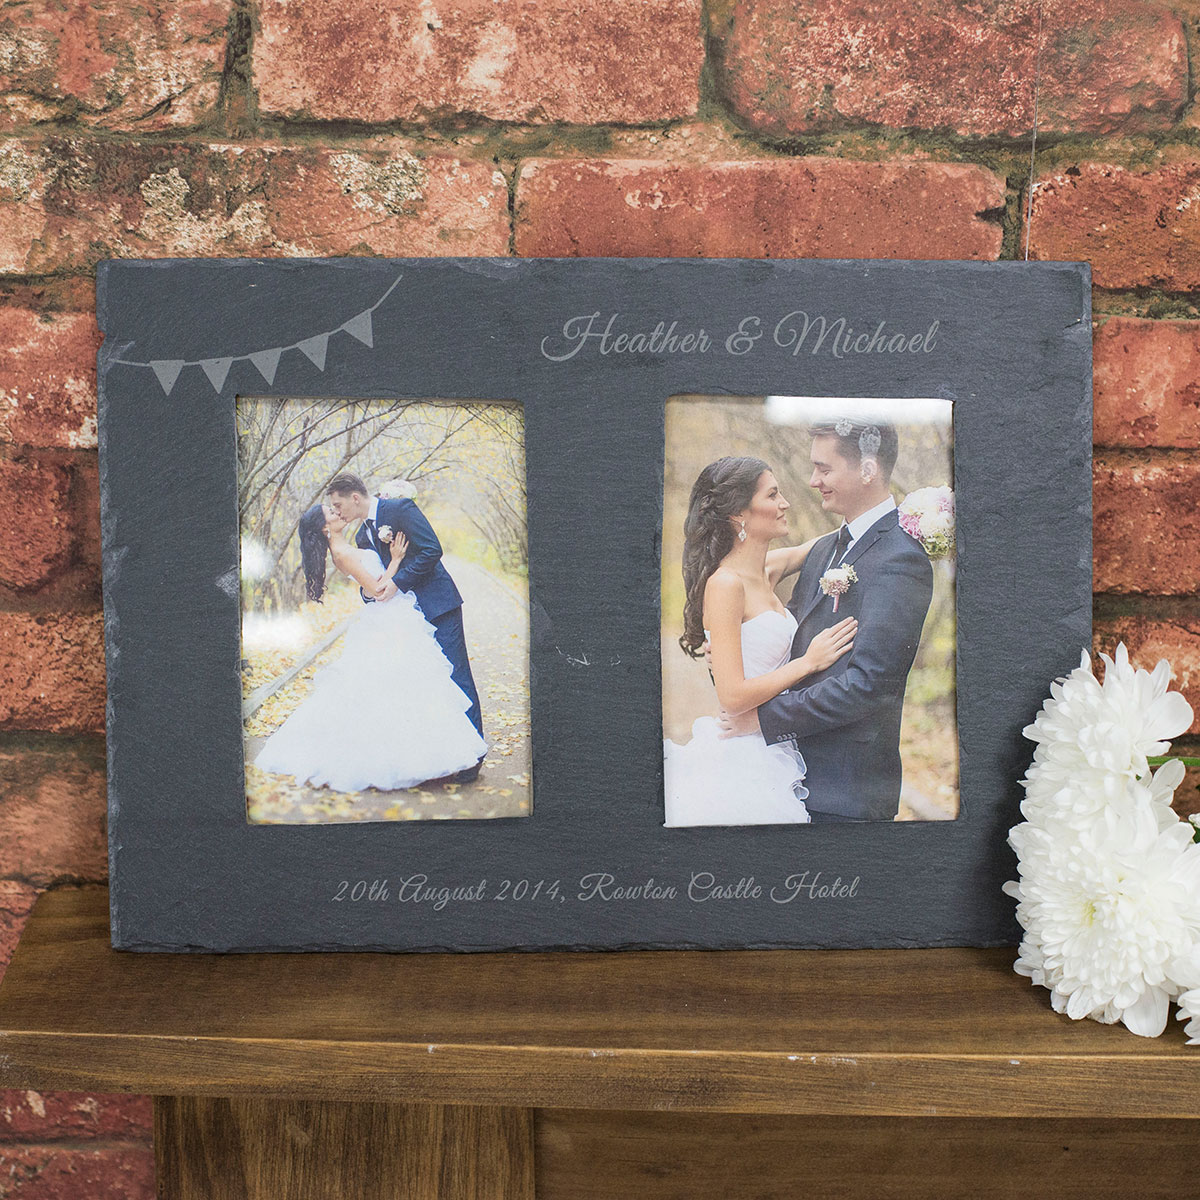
[[423, 573], [846, 720]]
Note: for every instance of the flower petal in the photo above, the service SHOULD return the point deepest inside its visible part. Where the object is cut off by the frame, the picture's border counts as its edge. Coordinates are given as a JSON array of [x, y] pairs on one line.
[[1148, 1017]]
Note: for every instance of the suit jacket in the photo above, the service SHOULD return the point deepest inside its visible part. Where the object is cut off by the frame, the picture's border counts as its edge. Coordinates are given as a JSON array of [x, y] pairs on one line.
[[421, 572], [846, 720]]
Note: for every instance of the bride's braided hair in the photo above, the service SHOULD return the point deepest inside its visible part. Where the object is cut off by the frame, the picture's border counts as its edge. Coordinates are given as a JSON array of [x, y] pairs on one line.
[[313, 548], [722, 489]]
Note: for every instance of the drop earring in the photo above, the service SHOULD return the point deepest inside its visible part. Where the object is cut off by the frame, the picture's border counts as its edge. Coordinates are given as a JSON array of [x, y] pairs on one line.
[[742, 531]]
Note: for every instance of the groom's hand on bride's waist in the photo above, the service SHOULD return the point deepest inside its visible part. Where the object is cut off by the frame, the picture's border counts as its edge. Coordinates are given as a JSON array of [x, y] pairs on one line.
[[386, 591], [742, 725]]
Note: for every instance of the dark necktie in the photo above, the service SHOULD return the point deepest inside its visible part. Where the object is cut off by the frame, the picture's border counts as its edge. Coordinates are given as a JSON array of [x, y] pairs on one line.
[[372, 534], [843, 540], [839, 548]]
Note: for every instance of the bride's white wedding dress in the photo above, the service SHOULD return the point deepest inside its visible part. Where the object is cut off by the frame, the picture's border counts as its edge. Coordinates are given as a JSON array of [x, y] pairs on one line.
[[740, 780], [385, 714]]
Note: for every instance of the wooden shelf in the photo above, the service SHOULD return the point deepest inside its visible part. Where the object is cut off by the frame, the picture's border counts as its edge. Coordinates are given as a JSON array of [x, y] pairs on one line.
[[914, 1033]]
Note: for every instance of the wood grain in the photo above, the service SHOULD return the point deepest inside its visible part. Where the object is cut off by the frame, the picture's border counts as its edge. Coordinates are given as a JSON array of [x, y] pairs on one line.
[[948, 1032], [264, 1149], [687, 1156]]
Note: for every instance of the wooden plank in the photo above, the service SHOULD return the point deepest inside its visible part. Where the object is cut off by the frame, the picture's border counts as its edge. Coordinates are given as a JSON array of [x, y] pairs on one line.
[[881, 1033], [679, 1156], [263, 1150]]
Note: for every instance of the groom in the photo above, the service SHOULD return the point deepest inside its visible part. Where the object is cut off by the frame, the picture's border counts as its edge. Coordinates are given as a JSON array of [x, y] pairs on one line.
[[845, 720], [421, 572]]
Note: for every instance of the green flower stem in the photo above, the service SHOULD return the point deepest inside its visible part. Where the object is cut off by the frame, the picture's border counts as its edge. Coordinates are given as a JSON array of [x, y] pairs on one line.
[[1157, 760]]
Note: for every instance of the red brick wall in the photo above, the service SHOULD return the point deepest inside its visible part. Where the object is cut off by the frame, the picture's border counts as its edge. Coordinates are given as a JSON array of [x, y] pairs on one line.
[[848, 128]]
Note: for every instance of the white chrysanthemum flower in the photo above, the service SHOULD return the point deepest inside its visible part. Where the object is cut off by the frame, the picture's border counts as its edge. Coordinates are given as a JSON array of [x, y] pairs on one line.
[[1111, 727], [1189, 1011], [1109, 893], [1137, 809], [1187, 971], [1106, 924]]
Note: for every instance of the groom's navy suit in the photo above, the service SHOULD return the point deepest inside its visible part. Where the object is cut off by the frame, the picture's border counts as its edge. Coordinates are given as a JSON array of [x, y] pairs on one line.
[[423, 573], [846, 720]]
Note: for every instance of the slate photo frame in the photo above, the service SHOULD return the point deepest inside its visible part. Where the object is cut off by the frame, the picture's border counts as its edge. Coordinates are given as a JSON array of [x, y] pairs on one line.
[[1008, 343]]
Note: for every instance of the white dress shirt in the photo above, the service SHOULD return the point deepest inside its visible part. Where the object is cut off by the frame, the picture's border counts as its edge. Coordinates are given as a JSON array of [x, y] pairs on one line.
[[864, 521]]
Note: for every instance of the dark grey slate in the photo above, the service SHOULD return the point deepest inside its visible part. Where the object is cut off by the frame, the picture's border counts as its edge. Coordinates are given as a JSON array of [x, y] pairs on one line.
[[1012, 349]]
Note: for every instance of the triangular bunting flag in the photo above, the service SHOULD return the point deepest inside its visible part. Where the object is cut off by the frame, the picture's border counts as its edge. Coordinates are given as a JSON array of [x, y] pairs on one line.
[[314, 348], [167, 370], [267, 361], [216, 369], [360, 327]]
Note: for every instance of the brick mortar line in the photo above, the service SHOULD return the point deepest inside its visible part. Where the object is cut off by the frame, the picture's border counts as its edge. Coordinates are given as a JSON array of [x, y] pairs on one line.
[[1170, 610], [63, 456], [99, 1145], [53, 741], [56, 882], [1191, 39], [1145, 456], [237, 101], [512, 176], [512, 139], [60, 597], [1119, 451], [1108, 303]]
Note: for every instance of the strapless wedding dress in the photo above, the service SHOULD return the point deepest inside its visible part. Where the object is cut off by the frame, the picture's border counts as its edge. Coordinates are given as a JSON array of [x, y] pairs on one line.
[[386, 714], [741, 780]]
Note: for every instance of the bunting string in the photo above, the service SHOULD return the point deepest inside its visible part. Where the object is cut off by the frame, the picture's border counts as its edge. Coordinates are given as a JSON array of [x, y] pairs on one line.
[[266, 361]]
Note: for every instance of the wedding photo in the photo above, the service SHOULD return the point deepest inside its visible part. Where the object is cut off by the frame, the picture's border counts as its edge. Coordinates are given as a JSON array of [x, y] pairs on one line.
[[808, 611], [385, 610]]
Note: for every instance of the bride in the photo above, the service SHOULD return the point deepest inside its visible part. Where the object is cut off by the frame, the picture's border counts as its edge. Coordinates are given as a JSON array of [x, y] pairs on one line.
[[736, 510], [386, 714]]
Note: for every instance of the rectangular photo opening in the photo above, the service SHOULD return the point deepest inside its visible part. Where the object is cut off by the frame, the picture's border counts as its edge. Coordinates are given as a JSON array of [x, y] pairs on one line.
[[385, 610], [808, 611]]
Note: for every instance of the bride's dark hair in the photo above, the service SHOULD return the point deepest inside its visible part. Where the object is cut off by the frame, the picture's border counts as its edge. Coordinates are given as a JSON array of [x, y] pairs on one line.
[[723, 488], [313, 548]]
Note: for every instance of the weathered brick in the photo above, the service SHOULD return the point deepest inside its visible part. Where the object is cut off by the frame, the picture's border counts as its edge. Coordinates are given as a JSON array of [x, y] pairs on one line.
[[61, 1116], [16, 899], [85, 512], [579, 61], [1149, 639], [52, 672], [811, 65], [775, 208], [73, 1173], [1146, 383], [48, 377], [36, 533], [1136, 228], [1146, 521], [52, 810], [154, 65], [1187, 794], [66, 203]]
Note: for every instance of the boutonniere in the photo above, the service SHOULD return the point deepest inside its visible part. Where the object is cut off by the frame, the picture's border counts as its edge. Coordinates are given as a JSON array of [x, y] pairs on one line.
[[385, 533], [836, 583]]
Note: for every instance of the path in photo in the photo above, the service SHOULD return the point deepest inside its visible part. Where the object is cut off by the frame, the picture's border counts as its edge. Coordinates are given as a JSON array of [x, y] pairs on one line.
[[495, 614]]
